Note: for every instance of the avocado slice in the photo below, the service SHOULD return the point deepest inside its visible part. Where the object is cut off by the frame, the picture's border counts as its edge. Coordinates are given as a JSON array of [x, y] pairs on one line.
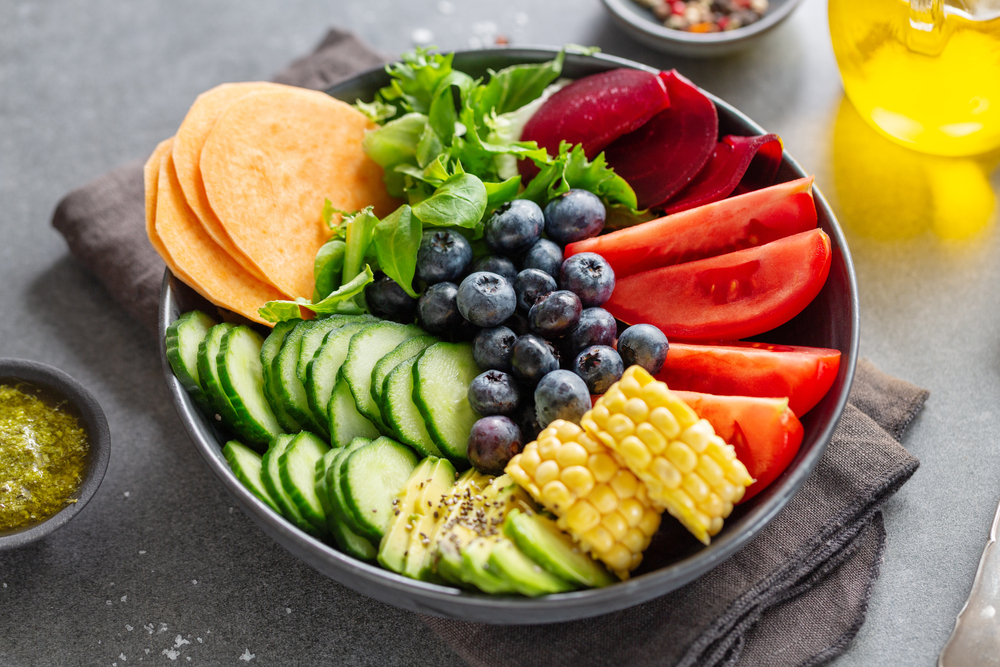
[[393, 547], [542, 541], [528, 577], [476, 568], [428, 510]]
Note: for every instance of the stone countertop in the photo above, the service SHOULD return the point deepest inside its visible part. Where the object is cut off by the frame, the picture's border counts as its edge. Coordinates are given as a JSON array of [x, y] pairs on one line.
[[162, 567]]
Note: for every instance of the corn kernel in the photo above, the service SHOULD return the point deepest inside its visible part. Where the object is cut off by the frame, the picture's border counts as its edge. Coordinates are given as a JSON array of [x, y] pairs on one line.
[[618, 557], [665, 422], [695, 487], [635, 453], [715, 526], [588, 425], [603, 466], [548, 446], [635, 540], [515, 471], [712, 505], [582, 516], [632, 510], [616, 525], [639, 374], [682, 411], [571, 454], [665, 472], [625, 484], [680, 455], [555, 494], [578, 479], [697, 435], [651, 437], [656, 395], [614, 400], [619, 426], [630, 387], [530, 459], [546, 472], [588, 443], [604, 499], [599, 415], [600, 539], [682, 499], [567, 430], [649, 523], [636, 410], [709, 470], [606, 439]]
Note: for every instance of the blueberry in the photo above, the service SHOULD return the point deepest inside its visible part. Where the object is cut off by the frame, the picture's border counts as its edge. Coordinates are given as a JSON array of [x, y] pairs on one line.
[[494, 393], [589, 276], [518, 323], [493, 442], [555, 314], [532, 358], [561, 395], [388, 301], [498, 265], [645, 345], [600, 367], [491, 348], [438, 308], [531, 284], [514, 227], [545, 256], [596, 327], [573, 216], [526, 419], [486, 299], [443, 255]]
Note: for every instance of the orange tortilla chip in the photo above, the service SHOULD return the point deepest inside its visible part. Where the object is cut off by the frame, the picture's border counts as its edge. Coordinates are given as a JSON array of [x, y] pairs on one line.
[[268, 164], [209, 269], [191, 135]]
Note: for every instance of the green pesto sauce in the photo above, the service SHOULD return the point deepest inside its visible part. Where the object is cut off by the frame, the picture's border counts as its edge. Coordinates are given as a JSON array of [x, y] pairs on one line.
[[43, 456]]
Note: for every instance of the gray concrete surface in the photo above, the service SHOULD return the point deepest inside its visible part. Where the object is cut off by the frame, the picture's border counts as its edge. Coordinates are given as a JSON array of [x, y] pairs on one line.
[[161, 568]]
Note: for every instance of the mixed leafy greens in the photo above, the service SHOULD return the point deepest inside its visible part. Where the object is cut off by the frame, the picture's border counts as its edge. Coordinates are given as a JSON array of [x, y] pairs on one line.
[[448, 145]]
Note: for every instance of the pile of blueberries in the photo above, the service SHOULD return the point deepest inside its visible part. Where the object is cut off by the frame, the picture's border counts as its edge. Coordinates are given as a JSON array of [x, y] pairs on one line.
[[539, 331]]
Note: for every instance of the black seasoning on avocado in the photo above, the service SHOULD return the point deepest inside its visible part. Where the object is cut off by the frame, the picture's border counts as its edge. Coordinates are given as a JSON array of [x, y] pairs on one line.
[[43, 456]]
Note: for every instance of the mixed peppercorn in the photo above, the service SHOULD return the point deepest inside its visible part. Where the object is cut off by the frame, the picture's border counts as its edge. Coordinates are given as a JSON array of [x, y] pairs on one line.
[[706, 15]]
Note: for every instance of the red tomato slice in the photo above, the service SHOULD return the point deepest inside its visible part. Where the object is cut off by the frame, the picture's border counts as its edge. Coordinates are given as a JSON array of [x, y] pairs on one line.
[[765, 433], [732, 296], [743, 221], [803, 374]]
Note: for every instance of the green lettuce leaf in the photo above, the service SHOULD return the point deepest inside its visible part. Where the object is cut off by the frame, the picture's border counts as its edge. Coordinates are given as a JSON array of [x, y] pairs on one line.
[[328, 268], [359, 235], [416, 78], [458, 202], [377, 111], [280, 311], [571, 169], [396, 239]]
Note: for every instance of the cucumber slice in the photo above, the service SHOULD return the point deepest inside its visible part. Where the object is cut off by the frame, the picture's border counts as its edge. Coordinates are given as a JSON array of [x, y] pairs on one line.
[[268, 351], [184, 336], [527, 576], [346, 423], [297, 470], [246, 465], [208, 374], [271, 476], [367, 347], [324, 368], [371, 478], [405, 350], [441, 381], [242, 379], [542, 541], [319, 480], [401, 413], [349, 542], [313, 338], [333, 486], [291, 391], [392, 550]]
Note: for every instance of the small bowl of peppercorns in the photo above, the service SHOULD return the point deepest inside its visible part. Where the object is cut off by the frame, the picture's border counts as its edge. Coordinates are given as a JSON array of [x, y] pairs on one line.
[[699, 28]]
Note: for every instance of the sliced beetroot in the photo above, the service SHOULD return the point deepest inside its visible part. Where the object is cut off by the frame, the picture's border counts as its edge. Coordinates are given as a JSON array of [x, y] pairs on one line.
[[665, 154], [738, 165], [594, 111]]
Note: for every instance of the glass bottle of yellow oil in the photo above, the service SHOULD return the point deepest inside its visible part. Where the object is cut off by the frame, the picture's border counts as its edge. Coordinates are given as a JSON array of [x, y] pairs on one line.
[[925, 73]]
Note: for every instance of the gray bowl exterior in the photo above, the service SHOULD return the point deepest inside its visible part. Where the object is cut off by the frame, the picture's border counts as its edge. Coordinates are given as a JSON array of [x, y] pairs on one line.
[[640, 23], [830, 321], [94, 421]]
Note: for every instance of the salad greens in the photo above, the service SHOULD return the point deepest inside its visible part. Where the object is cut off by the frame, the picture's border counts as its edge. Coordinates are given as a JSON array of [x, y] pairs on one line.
[[448, 145]]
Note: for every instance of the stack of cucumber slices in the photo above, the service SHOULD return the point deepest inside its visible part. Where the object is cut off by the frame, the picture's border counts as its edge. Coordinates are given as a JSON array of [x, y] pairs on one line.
[[352, 429]]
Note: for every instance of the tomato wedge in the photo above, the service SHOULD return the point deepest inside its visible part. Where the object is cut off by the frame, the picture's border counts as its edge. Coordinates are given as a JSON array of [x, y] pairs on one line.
[[740, 294], [802, 374], [765, 433], [739, 222]]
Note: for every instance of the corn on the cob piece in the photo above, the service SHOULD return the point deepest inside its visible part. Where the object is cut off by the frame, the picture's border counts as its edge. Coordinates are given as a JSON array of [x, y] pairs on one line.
[[689, 470], [599, 502]]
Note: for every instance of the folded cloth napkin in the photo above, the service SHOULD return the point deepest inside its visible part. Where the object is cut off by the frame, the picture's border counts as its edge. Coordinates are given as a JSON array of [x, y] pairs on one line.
[[795, 595]]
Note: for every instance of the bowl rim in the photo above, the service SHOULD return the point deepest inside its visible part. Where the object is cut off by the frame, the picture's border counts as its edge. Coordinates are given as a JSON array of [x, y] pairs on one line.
[[61, 383], [450, 602], [660, 31]]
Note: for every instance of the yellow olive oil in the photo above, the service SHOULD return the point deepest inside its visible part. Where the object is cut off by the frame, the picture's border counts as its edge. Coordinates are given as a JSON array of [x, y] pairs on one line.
[[924, 74]]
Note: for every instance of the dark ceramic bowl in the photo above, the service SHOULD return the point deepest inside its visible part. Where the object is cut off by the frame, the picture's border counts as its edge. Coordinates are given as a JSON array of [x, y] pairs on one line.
[[82, 404], [675, 558], [641, 24]]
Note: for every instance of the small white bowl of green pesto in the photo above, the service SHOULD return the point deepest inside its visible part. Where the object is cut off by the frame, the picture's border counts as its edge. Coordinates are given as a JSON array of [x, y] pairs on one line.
[[54, 450]]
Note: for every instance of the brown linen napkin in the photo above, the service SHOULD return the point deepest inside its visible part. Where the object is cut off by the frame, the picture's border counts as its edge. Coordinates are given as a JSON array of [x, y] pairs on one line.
[[796, 595]]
